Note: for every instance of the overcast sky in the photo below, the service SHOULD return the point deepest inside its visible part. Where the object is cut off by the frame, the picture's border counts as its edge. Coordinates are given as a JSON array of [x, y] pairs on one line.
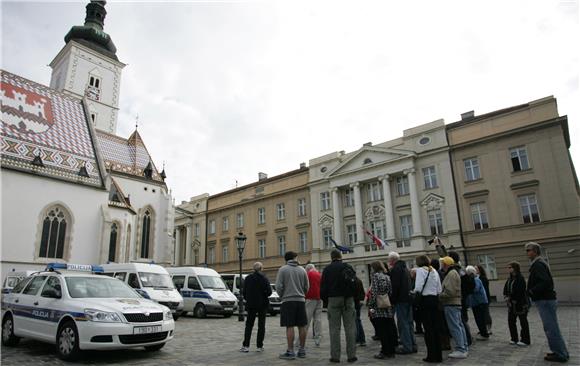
[[226, 89]]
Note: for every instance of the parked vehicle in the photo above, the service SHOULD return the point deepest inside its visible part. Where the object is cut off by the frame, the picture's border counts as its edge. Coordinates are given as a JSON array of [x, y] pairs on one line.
[[203, 290], [69, 306], [233, 283], [12, 279], [150, 280]]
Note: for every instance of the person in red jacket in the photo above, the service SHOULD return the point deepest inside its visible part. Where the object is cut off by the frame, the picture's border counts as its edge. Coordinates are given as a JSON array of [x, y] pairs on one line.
[[313, 302]]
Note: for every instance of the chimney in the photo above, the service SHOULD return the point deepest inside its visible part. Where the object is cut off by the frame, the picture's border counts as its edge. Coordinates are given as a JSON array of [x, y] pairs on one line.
[[262, 176], [302, 165], [467, 115], [368, 144]]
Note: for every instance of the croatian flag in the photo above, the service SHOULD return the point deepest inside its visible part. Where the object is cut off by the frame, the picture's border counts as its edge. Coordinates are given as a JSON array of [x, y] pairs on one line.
[[341, 248], [378, 241]]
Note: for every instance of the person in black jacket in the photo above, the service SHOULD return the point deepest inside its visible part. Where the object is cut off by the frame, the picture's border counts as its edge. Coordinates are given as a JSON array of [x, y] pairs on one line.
[[485, 281], [514, 293], [358, 299], [256, 291], [541, 291], [401, 283]]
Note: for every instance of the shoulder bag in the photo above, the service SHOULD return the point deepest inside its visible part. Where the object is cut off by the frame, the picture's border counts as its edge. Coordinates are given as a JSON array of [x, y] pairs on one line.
[[418, 298]]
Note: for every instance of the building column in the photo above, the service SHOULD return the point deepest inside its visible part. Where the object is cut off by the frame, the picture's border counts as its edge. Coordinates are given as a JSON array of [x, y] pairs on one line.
[[188, 242], [415, 206], [389, 216], [358, 212], [337, 228], [177, 254]]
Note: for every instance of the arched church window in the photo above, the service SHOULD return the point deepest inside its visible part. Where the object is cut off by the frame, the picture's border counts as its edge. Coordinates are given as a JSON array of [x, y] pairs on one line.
[[145, 234], [54, 233], [113, 243]]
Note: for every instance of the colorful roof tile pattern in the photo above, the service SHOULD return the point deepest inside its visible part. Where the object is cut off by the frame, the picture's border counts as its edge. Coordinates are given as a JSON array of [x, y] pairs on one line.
[[40, 121], [128, 156]]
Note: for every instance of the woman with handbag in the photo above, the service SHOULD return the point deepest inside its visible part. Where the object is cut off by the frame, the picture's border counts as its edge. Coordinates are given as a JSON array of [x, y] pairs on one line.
[[518, 304], [426, 298], [381, 311]]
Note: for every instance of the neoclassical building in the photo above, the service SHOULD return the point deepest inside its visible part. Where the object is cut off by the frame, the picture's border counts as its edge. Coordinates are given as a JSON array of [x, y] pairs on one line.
[[400, 190]]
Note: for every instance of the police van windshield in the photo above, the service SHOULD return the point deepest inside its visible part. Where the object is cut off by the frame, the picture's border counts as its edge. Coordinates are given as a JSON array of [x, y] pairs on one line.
[[212, 282], [101, 287], [156, 280]]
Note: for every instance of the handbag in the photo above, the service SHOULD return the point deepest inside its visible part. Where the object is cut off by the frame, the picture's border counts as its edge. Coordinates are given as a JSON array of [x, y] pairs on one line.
[[418, 298], [383, 301]]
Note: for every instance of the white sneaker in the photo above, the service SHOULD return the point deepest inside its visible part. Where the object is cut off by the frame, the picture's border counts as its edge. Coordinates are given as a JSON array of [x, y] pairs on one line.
[[458, 354], [245, 349], [317, 340], [513, 343], [260, 349], [522, 344]]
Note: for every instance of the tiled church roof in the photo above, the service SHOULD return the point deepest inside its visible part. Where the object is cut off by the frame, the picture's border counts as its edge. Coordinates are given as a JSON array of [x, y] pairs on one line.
[[40, 121], [128, 156]]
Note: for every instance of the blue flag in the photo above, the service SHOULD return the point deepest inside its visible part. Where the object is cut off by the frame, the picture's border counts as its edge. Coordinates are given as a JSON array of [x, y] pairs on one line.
[[344, 250]]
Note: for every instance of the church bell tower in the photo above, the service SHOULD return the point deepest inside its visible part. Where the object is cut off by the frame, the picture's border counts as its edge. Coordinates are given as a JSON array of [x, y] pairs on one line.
[[87, 66]]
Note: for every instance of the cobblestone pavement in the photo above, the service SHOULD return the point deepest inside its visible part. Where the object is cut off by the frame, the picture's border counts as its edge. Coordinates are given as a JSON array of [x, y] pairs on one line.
[[215, 341]]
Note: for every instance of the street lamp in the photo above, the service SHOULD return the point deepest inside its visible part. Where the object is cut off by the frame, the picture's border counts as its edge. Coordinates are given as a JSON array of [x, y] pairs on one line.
[[241, 244]]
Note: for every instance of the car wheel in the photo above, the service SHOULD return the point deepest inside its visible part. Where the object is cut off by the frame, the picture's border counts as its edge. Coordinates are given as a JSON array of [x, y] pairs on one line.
[[154, 348], [184, 313], [67, 341], [227, 315], [199, 311], [8, 337]]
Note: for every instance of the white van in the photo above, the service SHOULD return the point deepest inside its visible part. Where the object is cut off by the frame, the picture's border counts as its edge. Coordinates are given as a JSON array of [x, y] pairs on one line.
[[233, 283], [12, 278], [151, 280], [203, 290]]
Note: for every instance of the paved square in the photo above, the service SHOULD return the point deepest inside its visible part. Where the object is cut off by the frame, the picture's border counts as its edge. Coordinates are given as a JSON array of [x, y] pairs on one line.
[[215, 341]]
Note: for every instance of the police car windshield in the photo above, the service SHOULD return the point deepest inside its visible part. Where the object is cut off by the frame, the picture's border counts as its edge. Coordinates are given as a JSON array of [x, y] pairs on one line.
[[212, 282], [156, 280], [101, 287]]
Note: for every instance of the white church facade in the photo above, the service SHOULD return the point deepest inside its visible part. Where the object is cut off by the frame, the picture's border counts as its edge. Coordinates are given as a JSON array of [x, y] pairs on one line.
[[72, 190]]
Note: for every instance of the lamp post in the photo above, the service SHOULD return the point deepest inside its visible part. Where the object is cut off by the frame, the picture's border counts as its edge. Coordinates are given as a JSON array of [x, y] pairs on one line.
[[241, 244]]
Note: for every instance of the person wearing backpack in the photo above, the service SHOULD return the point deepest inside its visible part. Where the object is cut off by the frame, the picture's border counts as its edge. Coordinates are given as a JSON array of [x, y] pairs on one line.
[[337, 290]]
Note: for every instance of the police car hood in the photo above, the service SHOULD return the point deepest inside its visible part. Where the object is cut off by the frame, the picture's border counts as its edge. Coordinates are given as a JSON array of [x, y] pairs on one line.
[[125, 305]]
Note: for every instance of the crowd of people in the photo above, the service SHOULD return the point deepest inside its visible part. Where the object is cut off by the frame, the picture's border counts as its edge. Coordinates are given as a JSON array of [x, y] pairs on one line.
[[433, 298]]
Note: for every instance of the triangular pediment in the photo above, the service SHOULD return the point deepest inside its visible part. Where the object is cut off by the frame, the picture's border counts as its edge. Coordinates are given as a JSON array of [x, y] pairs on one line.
[[432, 201], [369, 156], [325, 220]]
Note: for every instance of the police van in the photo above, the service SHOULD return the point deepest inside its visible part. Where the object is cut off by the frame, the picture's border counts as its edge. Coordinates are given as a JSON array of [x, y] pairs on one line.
[[203, 290], [150, 280], [12, 279], [233, 283], [71, 307]]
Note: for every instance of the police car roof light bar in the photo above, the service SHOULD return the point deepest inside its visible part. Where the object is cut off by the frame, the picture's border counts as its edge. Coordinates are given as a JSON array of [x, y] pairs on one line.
[[74, 267]]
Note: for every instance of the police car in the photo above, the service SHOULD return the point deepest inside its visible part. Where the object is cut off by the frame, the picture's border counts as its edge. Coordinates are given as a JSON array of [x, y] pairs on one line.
[[71, 307]]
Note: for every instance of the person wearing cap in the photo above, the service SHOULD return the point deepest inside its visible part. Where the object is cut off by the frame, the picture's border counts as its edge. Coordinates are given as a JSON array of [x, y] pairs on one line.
[[541, 291], [450, 298]]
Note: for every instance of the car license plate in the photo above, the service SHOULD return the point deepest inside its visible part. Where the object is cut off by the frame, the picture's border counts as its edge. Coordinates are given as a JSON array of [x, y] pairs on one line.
[[228, 309], [147, 330]]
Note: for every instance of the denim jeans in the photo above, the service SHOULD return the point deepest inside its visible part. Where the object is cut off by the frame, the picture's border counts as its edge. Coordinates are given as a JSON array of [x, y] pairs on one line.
[[404, 315], [456, 329], [547, 310], [360, 332]]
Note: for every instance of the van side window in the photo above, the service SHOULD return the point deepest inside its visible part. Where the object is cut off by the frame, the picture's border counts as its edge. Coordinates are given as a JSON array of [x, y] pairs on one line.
[[193, 284], [20, 285], [178, 281], [133, 280], [121, 276], [52, 286], [108, 274], [229, 282]]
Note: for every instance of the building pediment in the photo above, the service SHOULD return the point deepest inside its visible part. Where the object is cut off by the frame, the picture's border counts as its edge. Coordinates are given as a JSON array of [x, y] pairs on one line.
[[325, 220], [370, 156], [432, 201], [375, 213]]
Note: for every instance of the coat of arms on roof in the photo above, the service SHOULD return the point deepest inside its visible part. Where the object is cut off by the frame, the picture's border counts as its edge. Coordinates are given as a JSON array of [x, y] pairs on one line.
[[24, 110]]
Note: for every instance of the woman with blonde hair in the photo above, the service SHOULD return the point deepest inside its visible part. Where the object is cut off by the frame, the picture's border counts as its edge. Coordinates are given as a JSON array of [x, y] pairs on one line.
[[381, 314]]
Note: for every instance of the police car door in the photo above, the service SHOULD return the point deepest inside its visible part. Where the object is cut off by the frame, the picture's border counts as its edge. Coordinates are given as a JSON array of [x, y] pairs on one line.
[[26, 312], [50, 304]]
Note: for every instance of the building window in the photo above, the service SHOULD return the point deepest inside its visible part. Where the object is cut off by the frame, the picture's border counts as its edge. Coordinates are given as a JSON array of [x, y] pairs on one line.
[[262, 248], [113, 243], [479, 216], [280, 211], [93, 117], [54, 233], [471, 169], [93, 90], [351, 234], [488, 263], [261, 215], [349, 197], [402, 185], [378, 229], [196, 230], [95, 81], [211, 255], [226, 223], [303, 241], [435, 222], [240, 220], [325, 201], [326, 237], [519, 157], [146, 235], [302, 207], [430, 177], [375, 192], [225, 250], [281, 245], [529, 207], [406, 231], [212, 227], [196, 256]]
